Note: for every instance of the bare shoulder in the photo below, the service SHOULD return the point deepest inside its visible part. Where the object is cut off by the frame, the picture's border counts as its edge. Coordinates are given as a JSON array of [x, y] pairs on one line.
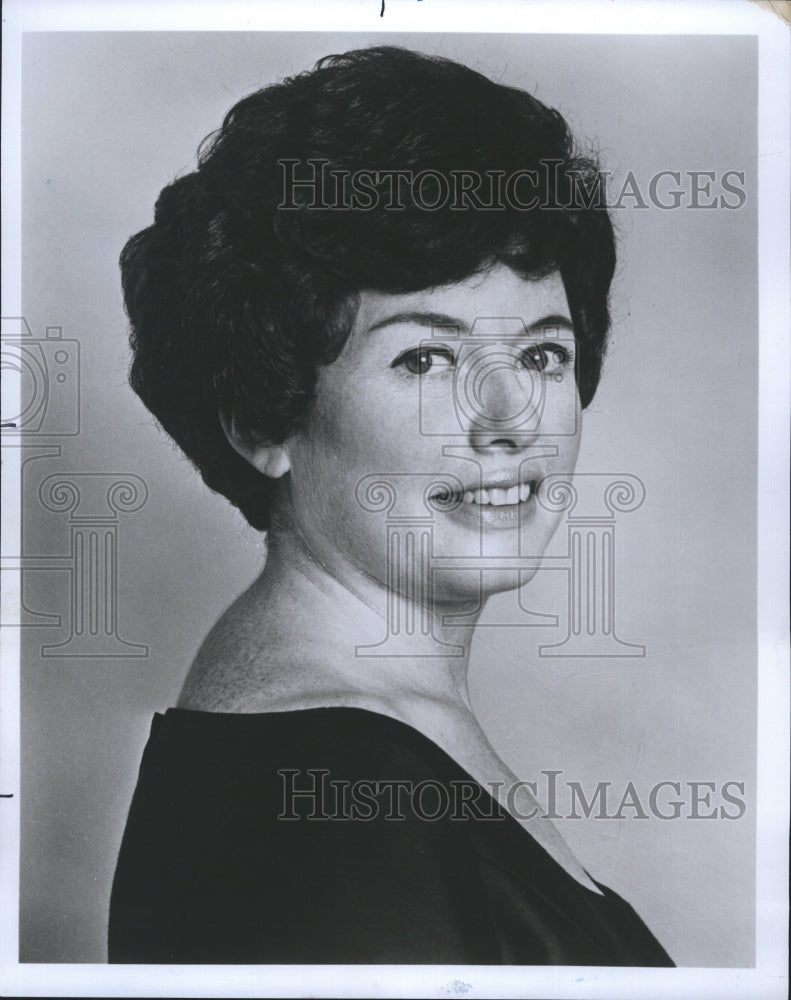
[[253, 661], [230, 658]]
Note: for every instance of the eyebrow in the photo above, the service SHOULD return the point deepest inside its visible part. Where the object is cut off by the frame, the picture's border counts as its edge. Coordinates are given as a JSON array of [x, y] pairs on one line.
[[427, 319], [432, 319]]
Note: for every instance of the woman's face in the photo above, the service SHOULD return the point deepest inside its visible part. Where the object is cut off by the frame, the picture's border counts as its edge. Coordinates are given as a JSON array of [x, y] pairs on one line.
[[460, 399]]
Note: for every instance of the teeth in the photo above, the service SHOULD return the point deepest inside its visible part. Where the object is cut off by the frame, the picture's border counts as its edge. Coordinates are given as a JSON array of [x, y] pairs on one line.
[[496, 496]]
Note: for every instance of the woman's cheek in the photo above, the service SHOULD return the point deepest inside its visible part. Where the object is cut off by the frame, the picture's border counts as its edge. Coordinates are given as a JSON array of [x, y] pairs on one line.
[[381, 433]]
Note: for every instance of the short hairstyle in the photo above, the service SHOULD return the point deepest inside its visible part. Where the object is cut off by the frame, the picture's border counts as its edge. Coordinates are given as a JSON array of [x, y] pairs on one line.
[[244, 285]]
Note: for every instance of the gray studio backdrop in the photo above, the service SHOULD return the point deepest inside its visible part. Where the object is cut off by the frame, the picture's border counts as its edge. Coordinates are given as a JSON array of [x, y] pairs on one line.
[[108, 120]]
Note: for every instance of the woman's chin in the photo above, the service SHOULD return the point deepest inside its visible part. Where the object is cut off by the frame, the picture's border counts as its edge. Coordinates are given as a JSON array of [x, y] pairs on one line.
[[472, 588]]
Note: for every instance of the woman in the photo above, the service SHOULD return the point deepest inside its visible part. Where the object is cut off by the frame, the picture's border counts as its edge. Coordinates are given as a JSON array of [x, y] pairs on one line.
[[371, 318]]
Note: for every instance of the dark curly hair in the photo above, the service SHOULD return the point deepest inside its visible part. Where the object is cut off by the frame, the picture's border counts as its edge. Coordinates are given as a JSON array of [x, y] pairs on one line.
[[234, 299]]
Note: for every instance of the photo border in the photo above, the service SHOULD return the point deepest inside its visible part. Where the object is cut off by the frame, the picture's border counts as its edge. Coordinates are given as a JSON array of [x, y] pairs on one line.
[[767, 979]]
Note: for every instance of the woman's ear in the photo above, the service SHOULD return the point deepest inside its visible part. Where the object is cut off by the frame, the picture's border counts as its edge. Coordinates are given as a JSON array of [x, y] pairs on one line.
[[270, 459]]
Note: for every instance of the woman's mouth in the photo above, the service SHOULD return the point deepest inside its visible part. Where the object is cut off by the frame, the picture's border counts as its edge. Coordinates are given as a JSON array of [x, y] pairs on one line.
[[507, 503], [498, 496], [494, 494]]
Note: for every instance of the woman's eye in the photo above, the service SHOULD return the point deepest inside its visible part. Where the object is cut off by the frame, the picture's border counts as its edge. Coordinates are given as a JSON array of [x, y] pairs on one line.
[[546, 357], [420, 360]]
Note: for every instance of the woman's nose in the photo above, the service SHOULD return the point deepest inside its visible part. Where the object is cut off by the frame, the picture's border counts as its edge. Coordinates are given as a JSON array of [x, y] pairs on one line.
[[501, 400]]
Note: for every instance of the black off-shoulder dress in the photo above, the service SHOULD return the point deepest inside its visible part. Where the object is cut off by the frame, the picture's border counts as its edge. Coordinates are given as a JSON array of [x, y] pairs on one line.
[[338, 835]]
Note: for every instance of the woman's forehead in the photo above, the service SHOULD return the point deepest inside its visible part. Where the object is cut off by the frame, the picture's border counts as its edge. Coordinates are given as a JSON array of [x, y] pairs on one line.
[[498, 293]]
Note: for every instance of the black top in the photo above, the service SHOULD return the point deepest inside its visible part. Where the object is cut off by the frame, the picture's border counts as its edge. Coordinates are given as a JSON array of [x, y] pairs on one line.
[[393, 854]]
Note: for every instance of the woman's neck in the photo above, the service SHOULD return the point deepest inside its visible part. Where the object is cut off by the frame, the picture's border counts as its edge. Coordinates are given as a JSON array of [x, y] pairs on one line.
[[303, 636]]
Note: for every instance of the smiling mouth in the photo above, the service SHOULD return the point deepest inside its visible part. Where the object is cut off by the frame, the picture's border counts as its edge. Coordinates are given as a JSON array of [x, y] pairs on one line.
[[492, 496], [497, 496]]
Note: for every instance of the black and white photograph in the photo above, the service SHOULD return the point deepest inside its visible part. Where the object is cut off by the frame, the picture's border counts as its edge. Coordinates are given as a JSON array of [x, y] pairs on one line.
[[395, 499]]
